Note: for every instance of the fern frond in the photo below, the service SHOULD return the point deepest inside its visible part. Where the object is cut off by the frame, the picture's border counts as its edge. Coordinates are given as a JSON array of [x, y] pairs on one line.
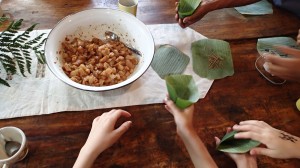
[[21, 39], [26, 54], [3, 82], [35, 40], [8, 63]]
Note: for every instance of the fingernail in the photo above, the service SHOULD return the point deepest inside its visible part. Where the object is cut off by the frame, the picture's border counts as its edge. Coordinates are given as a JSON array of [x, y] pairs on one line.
[[266, 66], [235, 126]]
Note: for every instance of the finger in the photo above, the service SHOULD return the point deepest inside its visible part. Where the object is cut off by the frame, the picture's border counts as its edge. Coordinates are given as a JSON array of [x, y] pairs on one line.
[[171, 106], [278, 70], [218, 141], [181, 24], [280, 61], [228, 129], [254, 122], [123, 128], [262, 151], [168, 108], [248, 135], [177, 17], [118, 113], [288, 50], [248, 127]]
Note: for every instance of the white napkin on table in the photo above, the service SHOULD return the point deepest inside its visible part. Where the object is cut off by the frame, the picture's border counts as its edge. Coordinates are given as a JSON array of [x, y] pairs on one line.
[[36, 96]]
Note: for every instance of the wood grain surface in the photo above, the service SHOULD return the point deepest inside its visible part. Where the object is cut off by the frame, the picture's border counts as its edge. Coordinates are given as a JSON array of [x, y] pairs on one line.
[[55, 140]]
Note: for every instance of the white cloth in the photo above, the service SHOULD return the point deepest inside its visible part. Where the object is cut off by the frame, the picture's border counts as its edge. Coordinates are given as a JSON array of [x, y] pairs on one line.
[[36, 96]]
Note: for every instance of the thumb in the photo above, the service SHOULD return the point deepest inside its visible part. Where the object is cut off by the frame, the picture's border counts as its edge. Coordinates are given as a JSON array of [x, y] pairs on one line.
[[261, 151], [123, 128], [171, 106], [218, 141]]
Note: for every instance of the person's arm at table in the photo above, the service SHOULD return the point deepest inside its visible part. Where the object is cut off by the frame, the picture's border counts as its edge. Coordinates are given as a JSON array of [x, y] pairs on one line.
[[242, 160], [285, 68], [102, 135], [195, 147], [279, 144], [208, 6]]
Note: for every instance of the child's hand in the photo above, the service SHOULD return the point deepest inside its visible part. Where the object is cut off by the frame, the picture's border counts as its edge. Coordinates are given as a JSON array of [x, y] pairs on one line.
[[183, 118], [241, 160], [102, 135], [279, 144], [285, 68]]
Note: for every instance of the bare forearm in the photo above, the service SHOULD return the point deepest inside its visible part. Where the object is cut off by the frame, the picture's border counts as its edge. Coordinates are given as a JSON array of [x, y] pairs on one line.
[[85, 159], [196, 149]]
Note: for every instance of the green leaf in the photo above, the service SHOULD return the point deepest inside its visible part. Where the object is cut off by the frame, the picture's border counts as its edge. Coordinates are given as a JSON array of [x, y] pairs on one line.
[[187, 7], [168, 60], [231, 145], [182, 90], [212, 58], [259, 8]]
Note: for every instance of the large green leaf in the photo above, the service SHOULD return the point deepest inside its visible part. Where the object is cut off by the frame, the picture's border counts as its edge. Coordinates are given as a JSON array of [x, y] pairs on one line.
[[231, 145], [212, 59], [259, 8], [182, 90], [168, 60], [187, 7]]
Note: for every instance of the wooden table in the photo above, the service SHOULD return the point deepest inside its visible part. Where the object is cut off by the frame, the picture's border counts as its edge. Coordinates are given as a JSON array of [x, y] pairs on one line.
[[55, 140]]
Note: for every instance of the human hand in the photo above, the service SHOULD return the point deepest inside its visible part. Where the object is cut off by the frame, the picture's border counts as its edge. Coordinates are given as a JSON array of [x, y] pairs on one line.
[[285, 68], [199, 13], [244, 160], [279, 144], [103, 133], [183, 118]]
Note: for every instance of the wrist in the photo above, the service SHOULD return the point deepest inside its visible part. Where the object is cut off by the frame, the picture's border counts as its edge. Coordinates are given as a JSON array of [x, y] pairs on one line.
[[186, 131], [249, 162], [89, 152]]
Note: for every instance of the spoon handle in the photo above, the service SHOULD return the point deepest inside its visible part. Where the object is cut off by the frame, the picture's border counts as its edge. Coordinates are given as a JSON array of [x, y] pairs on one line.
[[133, 50]]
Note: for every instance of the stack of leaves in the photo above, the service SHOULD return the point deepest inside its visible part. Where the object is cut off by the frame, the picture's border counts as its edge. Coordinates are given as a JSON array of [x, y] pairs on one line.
[[231, 145], [187, 7], [168, 60], [182, 90], [15, 48]]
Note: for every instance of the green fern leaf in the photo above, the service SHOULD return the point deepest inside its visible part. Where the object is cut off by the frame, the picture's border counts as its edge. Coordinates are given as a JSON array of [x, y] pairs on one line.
[[3, 82]]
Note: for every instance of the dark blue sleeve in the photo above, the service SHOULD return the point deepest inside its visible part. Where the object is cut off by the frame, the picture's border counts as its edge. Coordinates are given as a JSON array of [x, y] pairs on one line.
[[290, 5]]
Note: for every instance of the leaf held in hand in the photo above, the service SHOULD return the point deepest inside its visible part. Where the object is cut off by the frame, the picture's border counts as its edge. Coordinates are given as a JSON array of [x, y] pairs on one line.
[[268, 45], [187, 7], [182, 90], [231, 145]]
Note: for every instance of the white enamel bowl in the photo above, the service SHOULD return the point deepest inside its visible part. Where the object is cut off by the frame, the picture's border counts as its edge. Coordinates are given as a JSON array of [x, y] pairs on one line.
[[93, 23]]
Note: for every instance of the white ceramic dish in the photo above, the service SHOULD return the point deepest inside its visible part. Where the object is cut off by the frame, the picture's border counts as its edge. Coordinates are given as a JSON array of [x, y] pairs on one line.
[[93, 23]]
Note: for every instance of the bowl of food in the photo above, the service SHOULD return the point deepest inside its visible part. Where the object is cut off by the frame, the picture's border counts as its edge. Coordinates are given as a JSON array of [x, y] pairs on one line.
[[78, 52]]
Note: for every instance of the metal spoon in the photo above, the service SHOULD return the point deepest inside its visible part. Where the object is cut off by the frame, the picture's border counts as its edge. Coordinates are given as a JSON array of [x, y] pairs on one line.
[[11, 147], [112, 36]]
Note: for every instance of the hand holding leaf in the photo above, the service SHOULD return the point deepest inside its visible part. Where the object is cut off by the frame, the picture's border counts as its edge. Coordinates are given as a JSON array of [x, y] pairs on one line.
[[279, 144]]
